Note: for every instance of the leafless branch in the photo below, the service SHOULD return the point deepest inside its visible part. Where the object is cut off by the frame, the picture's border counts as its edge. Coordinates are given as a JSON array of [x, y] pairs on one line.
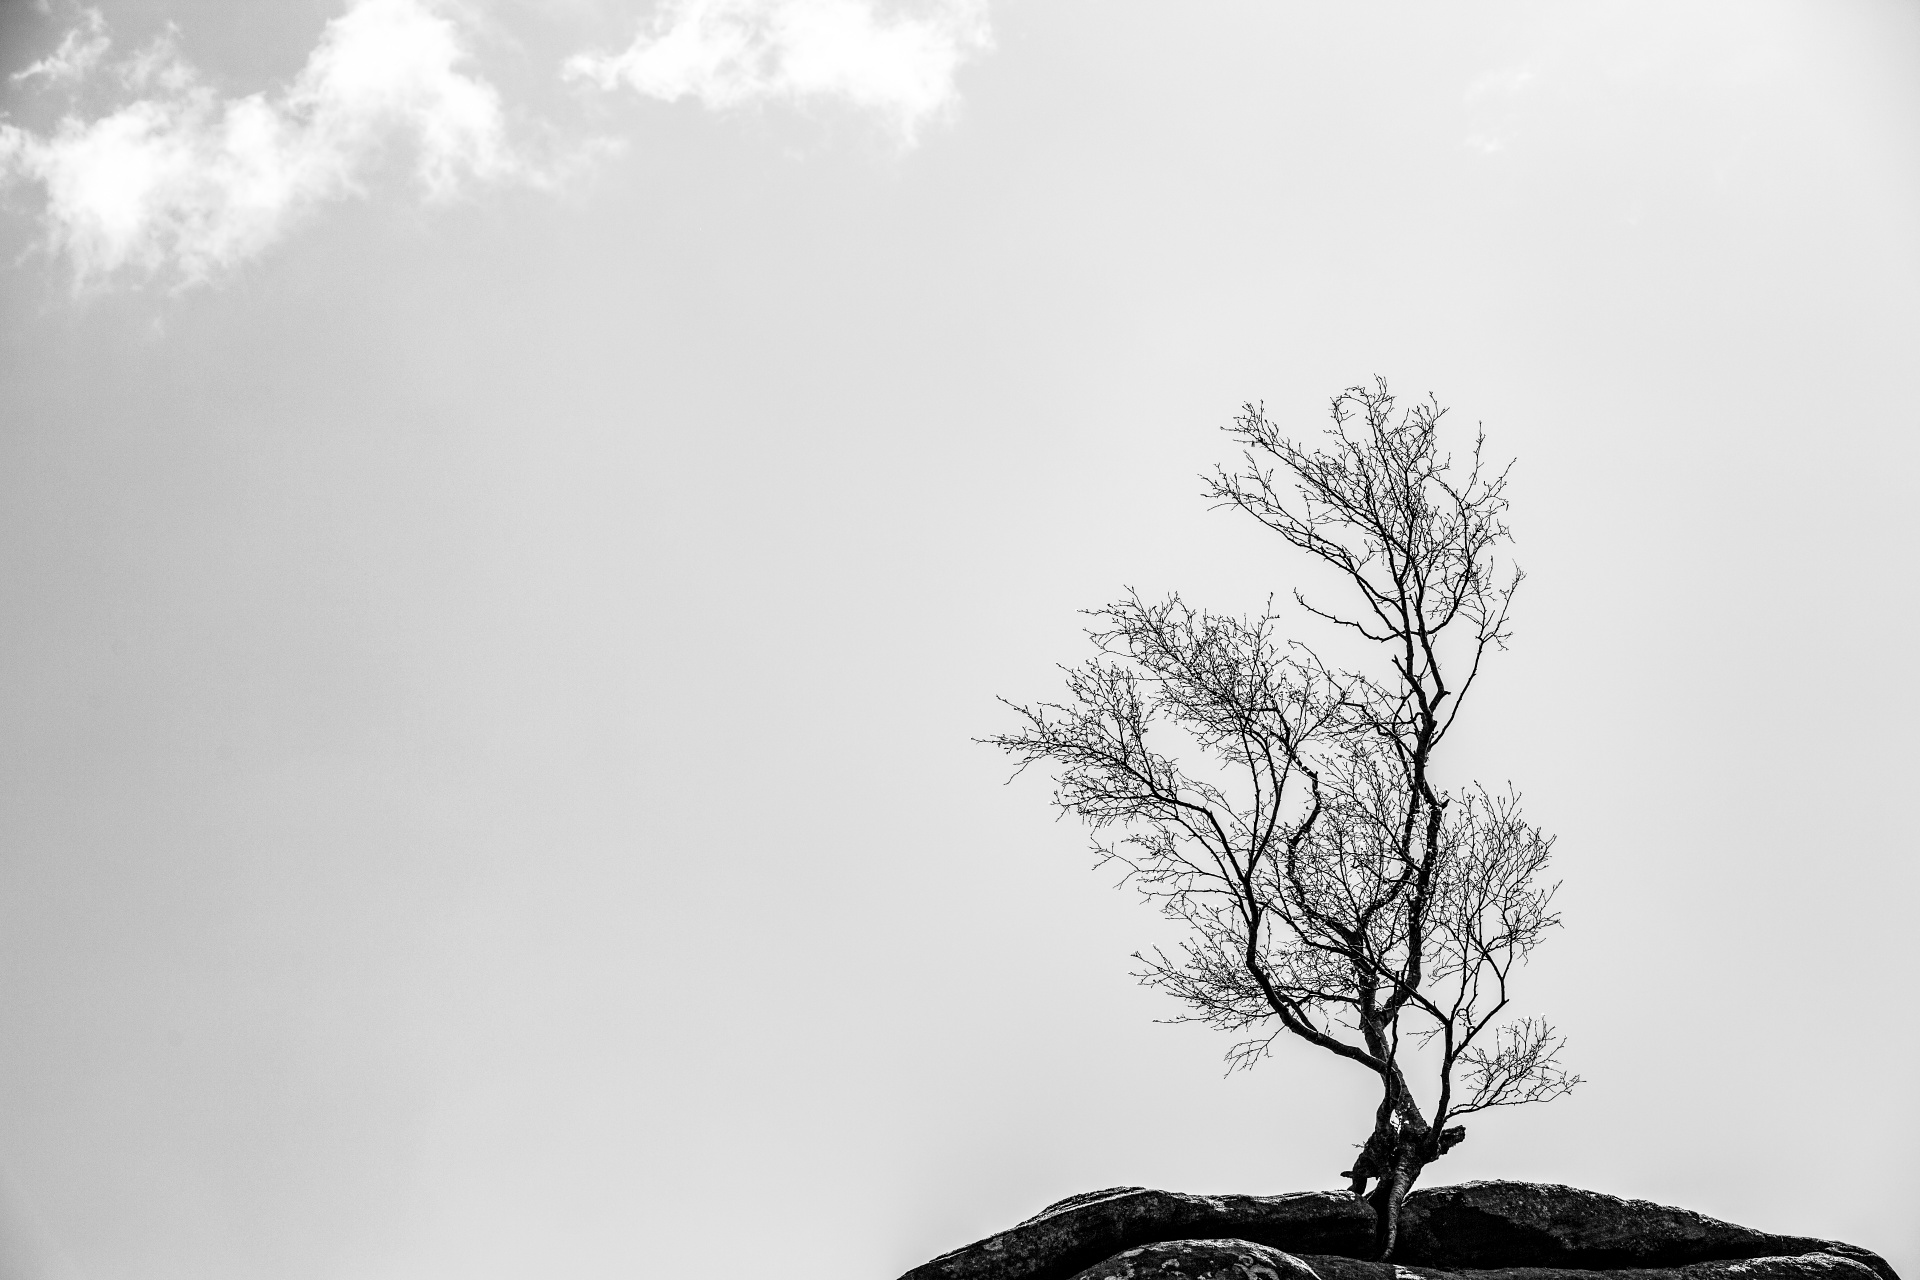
[[1287, 813]]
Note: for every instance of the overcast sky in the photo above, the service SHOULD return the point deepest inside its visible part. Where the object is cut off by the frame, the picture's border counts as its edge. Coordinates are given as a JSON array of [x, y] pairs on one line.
[[512, 513]]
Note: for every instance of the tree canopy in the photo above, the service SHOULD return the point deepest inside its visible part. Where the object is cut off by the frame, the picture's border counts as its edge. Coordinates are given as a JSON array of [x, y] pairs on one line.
[[1287, 810]]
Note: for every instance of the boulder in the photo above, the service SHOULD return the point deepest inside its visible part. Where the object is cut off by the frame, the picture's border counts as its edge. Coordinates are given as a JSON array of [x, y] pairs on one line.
[[1200, 1260], [1482, 1225], [1074, 1234], [1806, 1266], [1470, 1231]]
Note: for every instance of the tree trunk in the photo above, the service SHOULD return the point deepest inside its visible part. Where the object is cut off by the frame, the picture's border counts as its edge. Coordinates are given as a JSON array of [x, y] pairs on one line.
[[1398, 1179], [1395, 1154]]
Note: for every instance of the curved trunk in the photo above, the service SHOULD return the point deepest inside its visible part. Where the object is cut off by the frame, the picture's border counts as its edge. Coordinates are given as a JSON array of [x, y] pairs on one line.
[[1391, 1193], [1397, 1158]]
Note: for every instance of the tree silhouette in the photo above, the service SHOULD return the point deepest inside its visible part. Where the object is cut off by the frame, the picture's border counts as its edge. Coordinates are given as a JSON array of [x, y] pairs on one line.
[[1286, 810]]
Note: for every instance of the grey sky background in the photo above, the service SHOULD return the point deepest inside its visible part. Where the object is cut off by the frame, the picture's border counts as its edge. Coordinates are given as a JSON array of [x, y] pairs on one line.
[[502, 570]]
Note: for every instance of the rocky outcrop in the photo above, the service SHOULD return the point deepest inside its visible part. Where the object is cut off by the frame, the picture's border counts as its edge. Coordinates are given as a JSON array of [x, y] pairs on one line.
[[1810, 1266], [1066, 1238], [1471, 1231], [1530, 1224], [1201, 1260]]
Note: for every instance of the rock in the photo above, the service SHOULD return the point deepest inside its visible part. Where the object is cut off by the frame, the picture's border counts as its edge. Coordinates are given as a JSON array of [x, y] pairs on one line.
[[1809, 1266], [1482, 1225], [1200, 1260], [1084, 1197], [1470, 1231], [1074, 1234]]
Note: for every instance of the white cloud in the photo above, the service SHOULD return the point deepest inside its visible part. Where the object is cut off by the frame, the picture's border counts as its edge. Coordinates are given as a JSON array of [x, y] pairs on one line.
[[729, 53], [80, 51], [187, 181]]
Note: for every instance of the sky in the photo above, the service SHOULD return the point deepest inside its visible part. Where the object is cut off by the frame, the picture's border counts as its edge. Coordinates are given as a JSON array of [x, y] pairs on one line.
[[513, 516]]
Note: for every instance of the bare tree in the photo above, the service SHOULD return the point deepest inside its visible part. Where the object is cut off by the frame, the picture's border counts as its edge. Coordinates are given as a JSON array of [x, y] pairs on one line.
[[1286, 810]]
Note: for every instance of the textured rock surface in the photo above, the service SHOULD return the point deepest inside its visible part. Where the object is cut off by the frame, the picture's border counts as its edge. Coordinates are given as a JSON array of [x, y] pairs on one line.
[[1481, 1225], [1809, 1266], [1200, 1260], [1082, 1230], [1472, 1231]]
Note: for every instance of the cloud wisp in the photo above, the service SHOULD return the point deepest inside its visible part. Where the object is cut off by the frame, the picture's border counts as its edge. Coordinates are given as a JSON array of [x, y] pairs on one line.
[[179, 180], [733, 53], [163, 176], [80, 51]]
